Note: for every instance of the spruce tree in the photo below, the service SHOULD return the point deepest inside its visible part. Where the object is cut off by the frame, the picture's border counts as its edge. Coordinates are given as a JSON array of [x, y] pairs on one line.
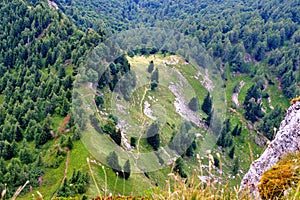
[[153, 137], [207, 104], [236, 166], [231, 152], [154, 79], [133, 141], [127, 170], [179, 168], [113, 162], [151, 67], [194, 104], [235, 131]]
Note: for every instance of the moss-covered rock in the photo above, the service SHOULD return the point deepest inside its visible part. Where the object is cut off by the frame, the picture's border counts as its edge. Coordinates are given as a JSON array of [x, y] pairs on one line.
[[280, 178]]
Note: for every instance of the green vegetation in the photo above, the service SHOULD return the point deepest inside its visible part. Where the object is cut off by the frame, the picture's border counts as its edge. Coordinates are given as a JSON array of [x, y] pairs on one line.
[[38, 58], [253, 46], [284, 176]]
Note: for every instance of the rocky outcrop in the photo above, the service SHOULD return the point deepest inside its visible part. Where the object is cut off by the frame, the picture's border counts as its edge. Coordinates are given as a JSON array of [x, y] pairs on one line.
[[287, 140]]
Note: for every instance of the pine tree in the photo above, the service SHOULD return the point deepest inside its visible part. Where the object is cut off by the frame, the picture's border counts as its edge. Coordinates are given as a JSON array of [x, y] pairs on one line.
[[236, 166], [191, 149], [18, 133], [235, 130], [231, 152], [216, 162], [65, 108], [154, 79], [127, 170], [113, 162], [99, 101], [179, 168], [239, 131], [117, 136], [133, 141], [39, 161], [25, 156], [207, 104], [194, 104], [153, 137], [153, 85], [151, 67], [221, 139], [62, 72]]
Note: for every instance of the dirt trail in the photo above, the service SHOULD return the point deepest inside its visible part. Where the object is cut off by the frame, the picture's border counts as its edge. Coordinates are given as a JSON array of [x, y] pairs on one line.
[[235, 96], [67, 166], [143, 120], [65, 174]]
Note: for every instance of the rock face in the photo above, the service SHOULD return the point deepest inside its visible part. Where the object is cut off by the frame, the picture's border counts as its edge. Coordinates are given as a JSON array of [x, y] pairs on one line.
[[287, 140]]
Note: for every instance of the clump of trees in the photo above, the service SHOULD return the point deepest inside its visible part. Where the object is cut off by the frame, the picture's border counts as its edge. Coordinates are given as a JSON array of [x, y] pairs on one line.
[[35, 52], [153, 137], [252, 104], [271, 122], [77, 184], [113, 162], [118, 77], [110, 129], [225, 139], [184, 140]]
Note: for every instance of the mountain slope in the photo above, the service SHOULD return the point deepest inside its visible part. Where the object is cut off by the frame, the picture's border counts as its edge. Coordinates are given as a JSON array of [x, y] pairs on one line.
[[255, 47], [286, 141], [39, 55]]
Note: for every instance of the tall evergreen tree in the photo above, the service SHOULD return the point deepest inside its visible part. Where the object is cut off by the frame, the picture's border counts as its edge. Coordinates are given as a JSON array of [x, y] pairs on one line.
[[127, 170], [154, 79], [178, 168], [194, 104], [236, 166], [235, 130], [207, 104], [151, 67], [231, 152], [113, 162], [153, 136]]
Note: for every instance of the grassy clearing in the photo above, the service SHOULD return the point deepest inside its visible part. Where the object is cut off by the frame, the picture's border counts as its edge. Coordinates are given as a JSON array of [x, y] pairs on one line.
[[101, 145]]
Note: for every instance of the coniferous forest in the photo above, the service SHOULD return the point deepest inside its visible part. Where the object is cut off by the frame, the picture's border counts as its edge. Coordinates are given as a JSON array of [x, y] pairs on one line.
[[255, 48]]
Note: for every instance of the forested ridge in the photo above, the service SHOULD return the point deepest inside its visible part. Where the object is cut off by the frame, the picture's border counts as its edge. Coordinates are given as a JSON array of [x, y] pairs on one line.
[[237, 33], [41, 50], [39, 55], [258, 38]]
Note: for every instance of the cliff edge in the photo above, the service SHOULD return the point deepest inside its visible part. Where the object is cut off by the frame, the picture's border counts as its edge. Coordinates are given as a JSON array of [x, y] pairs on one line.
[[287, 140]]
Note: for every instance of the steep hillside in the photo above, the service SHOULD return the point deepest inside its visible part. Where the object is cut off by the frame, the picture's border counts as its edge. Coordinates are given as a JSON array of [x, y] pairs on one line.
[[286, 141], [88, 88], [39, 55]]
